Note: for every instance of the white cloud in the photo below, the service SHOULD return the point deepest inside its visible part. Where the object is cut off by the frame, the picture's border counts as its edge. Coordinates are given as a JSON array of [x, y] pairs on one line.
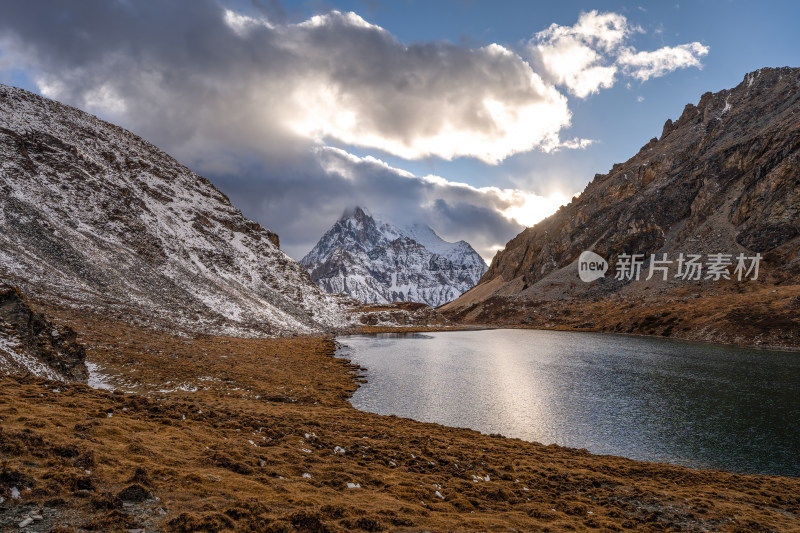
[[367, 89], [575, 65], [575, 144], [646, 65], [599, 30], [587, 56], [242, 24]]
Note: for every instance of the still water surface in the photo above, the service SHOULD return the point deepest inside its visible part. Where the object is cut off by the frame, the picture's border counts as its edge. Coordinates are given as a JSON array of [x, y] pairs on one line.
[[698, 405]]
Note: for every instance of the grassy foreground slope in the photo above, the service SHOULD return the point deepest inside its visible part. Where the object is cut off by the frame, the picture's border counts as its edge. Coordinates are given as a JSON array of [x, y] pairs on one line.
[[226, 434]]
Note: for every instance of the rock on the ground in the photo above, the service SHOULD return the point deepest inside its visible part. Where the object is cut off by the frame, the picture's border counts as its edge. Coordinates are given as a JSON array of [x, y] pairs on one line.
[[30, 343]]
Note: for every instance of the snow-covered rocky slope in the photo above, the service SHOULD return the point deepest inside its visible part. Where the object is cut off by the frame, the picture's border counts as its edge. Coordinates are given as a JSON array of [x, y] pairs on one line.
[[375, 261], [96, 218], [31, 344]]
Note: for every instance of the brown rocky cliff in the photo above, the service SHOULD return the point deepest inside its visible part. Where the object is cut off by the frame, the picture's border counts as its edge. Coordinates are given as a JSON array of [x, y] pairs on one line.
[[722, 178]]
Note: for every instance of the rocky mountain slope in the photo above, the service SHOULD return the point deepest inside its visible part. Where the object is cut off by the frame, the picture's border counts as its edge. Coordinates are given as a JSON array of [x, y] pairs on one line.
[[723, 178], [94, 218], [31, 344], [375, 261]]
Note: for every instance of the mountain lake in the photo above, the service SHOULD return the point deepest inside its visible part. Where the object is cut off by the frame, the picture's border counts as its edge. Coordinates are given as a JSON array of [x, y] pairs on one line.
[[652, 399]]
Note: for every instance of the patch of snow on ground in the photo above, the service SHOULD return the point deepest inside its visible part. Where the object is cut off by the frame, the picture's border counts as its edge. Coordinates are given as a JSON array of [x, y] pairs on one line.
[[185, 387], [96, 379]]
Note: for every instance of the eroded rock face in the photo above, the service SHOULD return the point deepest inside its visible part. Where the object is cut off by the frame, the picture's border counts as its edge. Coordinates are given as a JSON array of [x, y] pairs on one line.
[[724, 177], [95, 218], [30, 343]]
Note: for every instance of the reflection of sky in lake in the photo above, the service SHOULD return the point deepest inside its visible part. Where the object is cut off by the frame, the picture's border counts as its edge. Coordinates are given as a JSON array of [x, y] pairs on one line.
[[652, 399]]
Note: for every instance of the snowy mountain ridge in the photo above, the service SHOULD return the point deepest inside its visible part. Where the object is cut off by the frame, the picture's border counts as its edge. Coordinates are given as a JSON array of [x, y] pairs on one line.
[[95, 218], [375, 261]]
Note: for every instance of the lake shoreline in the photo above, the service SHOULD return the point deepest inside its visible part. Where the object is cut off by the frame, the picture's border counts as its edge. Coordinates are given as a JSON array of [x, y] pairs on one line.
[[761, 317], [370, 330]]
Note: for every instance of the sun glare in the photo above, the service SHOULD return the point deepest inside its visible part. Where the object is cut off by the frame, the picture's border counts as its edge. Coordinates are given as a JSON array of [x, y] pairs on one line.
[[535, 208]]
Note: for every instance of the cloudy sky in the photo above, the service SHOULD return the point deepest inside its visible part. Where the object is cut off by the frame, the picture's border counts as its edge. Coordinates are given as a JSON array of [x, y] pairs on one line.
[[473, 117]]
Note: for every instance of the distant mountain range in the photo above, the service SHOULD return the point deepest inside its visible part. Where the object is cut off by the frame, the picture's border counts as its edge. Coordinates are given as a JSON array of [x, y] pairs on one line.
[[96, 219], [724, 178], [375, 261]]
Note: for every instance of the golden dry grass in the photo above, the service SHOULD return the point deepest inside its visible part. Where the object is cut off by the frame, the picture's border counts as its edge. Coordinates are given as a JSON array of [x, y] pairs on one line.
[[765, 316], [268, 442]]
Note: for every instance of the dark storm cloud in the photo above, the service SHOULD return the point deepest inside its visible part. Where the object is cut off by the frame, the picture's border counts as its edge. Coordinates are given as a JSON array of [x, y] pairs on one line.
[[246, 100], [250, 101], [174, 72]]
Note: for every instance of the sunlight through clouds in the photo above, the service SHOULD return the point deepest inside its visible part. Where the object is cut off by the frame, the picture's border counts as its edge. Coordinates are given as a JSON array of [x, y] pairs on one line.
[[491, 106], [337, 77], [531, 208]]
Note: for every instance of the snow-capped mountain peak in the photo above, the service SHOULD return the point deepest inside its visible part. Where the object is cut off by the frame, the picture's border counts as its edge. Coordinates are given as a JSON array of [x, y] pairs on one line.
[[460, 252], [375, 261]]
